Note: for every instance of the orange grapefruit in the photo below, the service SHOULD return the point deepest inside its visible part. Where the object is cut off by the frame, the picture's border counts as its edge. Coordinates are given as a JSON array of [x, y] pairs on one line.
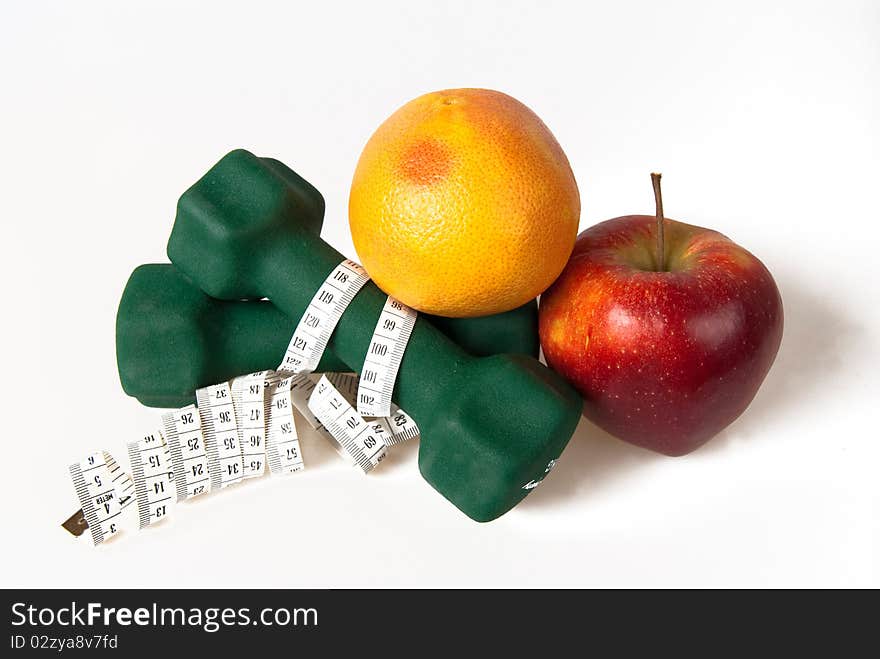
[[463, 204]]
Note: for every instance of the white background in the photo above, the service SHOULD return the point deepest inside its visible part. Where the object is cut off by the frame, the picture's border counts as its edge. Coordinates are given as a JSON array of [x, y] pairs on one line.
[[763, 117]]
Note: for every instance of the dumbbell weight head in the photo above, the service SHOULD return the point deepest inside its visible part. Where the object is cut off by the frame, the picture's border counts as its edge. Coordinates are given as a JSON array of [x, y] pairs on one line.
[[257, 197], [489, 426], [495, 441], [172, 339]]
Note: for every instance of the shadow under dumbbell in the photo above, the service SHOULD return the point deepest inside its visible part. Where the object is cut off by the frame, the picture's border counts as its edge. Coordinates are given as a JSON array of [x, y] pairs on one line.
[[592, 461]]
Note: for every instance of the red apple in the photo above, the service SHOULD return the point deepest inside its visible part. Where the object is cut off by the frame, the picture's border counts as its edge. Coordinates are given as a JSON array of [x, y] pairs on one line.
[[666, 329]]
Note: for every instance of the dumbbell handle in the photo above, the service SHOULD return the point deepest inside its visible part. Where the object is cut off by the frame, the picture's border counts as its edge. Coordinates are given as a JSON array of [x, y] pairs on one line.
[[428, 351]]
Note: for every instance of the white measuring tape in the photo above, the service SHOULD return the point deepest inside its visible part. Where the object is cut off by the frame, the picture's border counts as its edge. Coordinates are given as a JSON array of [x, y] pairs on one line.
[[383, 358], [402, 426], [248, 403], [384, 355], [399, 423], [282, 439], [189, 458], [365, 441], [220, 432], [237, 429], [321, 316], [153, 478], [200, 449], [104, 491]]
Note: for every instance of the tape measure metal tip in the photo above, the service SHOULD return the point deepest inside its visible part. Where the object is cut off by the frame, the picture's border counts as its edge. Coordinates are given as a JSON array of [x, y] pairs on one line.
[[76, 524]]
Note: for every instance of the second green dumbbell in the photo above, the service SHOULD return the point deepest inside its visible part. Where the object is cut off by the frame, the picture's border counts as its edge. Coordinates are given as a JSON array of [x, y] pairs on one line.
[[172, 339]]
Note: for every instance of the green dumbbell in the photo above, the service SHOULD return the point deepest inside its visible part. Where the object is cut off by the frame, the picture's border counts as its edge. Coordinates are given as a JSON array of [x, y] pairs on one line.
[[172, 339], [491, 427]]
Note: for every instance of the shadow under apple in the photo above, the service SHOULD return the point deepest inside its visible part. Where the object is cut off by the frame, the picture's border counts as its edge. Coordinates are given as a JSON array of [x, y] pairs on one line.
[[816, 339], [592, 460]]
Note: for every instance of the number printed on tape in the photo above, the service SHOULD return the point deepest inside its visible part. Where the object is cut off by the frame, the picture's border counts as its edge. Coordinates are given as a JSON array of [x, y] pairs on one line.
[[174, 463], [220, 432], [301, 387], [282, 440], [248, 395], [153, 478], [321, 316], [383, 358], [401, 425], [189, 459], [99, 495], [121, 481], [363, 440]]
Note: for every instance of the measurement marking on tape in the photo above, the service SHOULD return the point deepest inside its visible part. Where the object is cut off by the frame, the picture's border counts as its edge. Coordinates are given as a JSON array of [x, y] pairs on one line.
[[363, 440], [85, 501], [153, 477], [221, 435], [321, 316], [121, 480], [400, 424], [301, 387], [172, 464], [383, 358], [189, 460], [248, 401], [346, 384], [97, 495], [282, 440], [391, 335]]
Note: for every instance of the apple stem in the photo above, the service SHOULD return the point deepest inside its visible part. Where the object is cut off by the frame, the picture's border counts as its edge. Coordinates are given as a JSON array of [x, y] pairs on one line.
[[658, 200]]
